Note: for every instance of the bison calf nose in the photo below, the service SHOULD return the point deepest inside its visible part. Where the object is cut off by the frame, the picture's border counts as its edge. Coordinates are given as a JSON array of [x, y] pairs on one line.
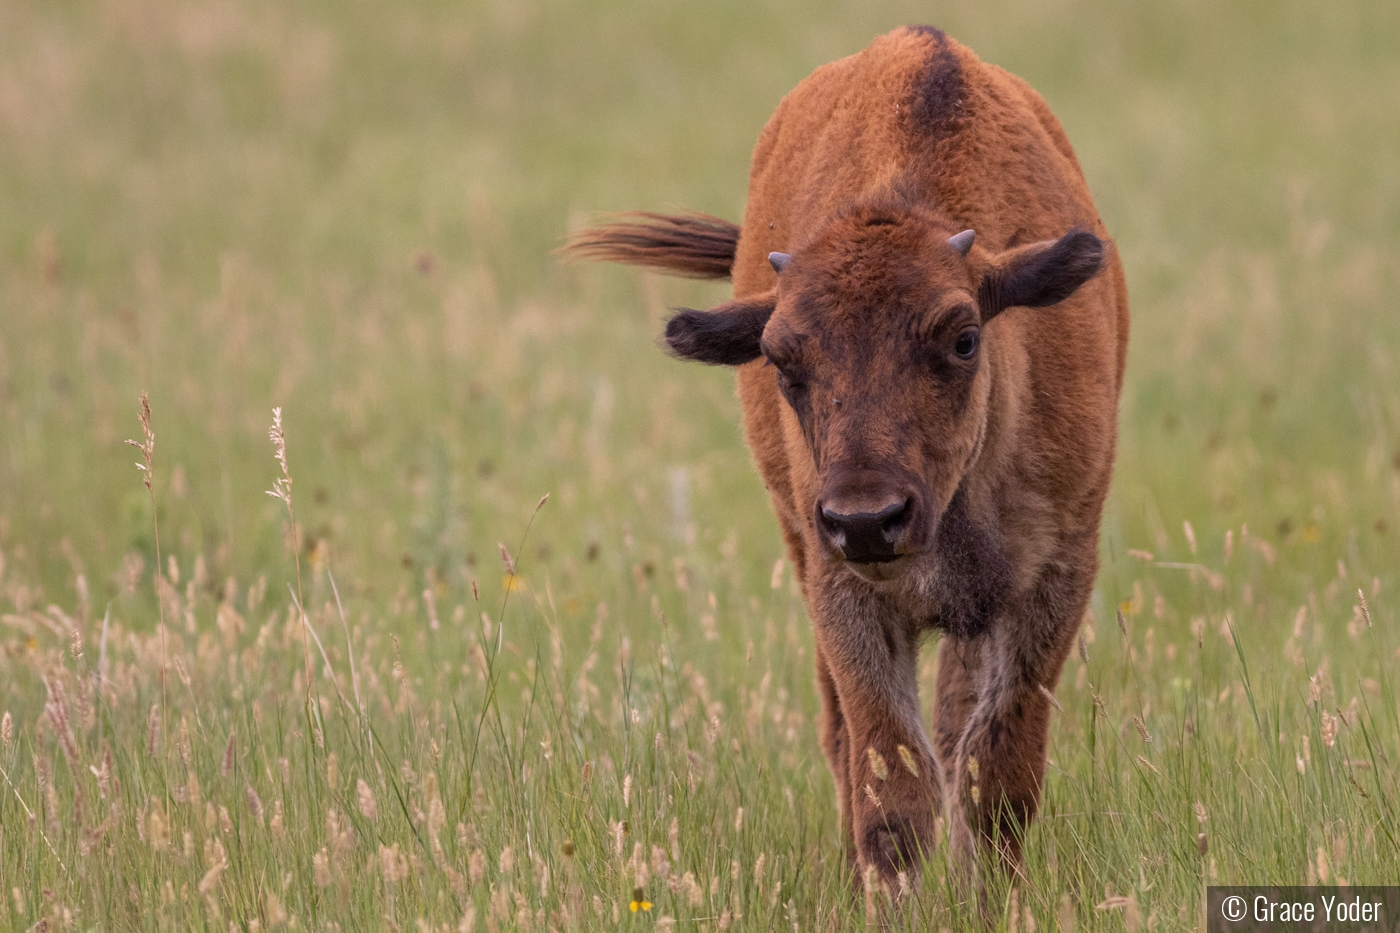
[[866, 537]]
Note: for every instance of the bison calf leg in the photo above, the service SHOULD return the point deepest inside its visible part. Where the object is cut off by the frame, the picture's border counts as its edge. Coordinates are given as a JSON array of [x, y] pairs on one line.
[[994, 779], [836, 744], [956, 693], [994, 785], [886, 774]]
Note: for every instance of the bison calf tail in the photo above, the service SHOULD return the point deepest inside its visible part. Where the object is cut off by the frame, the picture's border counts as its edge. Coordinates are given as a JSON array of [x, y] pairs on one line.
[[696, 246]]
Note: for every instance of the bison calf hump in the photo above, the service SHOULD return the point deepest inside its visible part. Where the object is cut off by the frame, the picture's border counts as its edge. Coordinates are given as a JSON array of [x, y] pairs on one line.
[[936, 110]]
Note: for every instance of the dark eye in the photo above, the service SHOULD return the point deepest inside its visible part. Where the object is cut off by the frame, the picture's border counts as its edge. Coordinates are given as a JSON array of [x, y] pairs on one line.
[[966, 346], [791, 382], [793, 385]]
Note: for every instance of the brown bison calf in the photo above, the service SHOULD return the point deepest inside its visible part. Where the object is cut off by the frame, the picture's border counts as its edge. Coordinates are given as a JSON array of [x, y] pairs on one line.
[[929, 362]]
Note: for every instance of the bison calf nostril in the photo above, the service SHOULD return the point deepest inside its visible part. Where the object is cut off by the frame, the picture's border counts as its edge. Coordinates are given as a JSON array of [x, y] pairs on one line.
[[896, 519], [830, 521]]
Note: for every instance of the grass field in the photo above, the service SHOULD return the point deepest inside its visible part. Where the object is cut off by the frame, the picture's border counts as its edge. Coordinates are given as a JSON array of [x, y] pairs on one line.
[[347, 210]]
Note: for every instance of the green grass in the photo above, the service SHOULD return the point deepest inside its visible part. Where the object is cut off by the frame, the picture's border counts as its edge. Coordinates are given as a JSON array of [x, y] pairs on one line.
[[348, 211]]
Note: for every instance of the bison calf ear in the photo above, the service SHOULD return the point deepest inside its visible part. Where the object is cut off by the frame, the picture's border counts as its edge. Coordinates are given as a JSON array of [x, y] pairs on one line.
[[1040, 274], [724, 336]]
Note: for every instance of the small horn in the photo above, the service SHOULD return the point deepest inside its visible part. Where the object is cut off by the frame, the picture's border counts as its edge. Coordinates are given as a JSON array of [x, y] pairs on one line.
[[962, 242], [779, 261]]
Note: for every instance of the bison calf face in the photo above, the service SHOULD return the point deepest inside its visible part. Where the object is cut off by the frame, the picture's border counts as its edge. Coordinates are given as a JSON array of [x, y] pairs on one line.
[[876, 339], [875, 333]]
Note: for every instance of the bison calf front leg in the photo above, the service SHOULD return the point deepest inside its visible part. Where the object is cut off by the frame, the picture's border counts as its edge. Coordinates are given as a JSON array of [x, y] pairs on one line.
[[997, 776], [891, 786]]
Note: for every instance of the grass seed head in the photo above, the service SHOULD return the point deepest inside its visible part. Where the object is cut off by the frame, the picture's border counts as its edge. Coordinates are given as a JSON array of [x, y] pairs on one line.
[[255, 804], [907, 758], [148, 447], [210, 881], [877, 764], [158, 830], [368, 808], [153, 731], [1329, 729], [660, 864], [7, 729], [282, 486], [476, 866]]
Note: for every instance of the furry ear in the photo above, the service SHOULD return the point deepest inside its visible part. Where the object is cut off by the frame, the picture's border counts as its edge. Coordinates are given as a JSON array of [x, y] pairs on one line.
[[1040, 274], [724, 336]]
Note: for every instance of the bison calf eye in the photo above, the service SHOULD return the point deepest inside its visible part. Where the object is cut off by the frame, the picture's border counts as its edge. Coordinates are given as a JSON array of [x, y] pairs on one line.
[[966, 346], [794, 389], [791, 384]]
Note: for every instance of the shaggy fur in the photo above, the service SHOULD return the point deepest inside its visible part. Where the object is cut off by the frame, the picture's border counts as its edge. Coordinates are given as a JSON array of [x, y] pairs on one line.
[[936, 430]]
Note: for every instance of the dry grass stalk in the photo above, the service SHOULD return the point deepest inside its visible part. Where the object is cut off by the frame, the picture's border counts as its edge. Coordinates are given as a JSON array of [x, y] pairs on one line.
[[148, 452], [282, 489], [227, 767]]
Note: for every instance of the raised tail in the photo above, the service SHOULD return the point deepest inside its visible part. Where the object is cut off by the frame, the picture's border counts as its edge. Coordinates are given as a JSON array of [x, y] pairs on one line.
[[696, 246]]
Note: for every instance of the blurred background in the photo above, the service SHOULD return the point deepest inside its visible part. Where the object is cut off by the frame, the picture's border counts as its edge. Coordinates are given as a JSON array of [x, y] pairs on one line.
[[349, 209]]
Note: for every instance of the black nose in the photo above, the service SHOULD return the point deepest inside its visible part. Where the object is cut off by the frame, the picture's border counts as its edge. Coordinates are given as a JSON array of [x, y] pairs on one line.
[[867, 537]]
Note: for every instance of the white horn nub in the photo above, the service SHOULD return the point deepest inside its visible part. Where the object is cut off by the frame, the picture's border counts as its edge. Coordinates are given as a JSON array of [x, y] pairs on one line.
[[779, 261], [962, 242]]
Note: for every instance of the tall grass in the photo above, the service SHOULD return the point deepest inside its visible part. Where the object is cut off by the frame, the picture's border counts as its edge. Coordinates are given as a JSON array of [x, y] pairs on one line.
[[347, 212]]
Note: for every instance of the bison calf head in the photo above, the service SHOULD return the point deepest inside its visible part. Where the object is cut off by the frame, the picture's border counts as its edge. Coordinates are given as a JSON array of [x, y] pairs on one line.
[[877, 334]]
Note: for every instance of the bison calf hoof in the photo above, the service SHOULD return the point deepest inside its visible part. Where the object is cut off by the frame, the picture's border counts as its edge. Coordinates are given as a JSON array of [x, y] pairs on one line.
[[893, 847]]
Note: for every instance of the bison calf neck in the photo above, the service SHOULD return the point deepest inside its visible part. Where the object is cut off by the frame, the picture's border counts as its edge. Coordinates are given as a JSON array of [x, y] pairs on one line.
[[929, 329]]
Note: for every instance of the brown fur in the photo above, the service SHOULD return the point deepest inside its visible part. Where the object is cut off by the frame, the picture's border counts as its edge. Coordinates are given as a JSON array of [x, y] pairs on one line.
[[919, 490]]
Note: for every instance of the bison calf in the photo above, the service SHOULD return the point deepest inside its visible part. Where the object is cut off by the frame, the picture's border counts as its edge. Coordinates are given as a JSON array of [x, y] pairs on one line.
[[929, 327]]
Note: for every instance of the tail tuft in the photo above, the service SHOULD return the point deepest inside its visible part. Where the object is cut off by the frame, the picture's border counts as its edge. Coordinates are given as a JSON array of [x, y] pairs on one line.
[[696, 246]]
